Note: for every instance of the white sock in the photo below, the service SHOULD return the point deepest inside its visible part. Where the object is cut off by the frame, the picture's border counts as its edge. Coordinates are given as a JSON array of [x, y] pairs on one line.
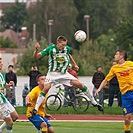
[[39, 101], [3, 125], [90, 97], [9, 131]]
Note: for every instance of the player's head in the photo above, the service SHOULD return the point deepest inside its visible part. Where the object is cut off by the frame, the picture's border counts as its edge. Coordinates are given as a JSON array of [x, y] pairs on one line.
[[61, 42], [120, 55], [40, 79], [99, 69]]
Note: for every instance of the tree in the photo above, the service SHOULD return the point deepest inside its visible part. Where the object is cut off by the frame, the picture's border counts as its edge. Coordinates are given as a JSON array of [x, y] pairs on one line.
[[26, 61], [104, 14], [14, 16], [7, 43], [62, 12], [89, 57], [124, 35]]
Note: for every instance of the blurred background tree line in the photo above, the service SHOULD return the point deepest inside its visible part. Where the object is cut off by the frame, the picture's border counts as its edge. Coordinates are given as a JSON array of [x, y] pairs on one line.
[[110, 28]]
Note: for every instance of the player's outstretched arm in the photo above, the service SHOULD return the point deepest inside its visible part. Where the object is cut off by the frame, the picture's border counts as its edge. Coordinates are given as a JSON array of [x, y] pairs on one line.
[[73, 62], [104, 82], [36, 54], [28, 103]]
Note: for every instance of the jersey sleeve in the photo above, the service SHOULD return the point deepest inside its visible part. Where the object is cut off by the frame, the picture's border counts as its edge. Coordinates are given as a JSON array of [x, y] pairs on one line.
[[110, 75], [32, 94], [68, 49], [45, 52]]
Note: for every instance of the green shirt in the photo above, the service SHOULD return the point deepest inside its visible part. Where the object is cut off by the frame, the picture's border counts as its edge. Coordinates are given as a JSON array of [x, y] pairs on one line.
[[2, 84], [58, 59]]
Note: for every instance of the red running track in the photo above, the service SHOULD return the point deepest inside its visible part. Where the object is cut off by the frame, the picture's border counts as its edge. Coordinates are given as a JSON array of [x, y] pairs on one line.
[[83, 117]]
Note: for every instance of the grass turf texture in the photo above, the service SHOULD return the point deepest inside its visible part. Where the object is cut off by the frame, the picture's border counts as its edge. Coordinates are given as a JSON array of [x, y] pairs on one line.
[[114, 110], [73, 127]]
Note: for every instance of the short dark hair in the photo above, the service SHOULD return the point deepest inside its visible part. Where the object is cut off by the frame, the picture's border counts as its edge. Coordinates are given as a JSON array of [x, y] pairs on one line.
[[40, 75], [34, 66], [61, 38], [123, 53], [98, 67], [10, 66]]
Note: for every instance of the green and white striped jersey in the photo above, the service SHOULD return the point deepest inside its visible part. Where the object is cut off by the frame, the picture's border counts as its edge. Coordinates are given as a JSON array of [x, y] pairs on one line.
[[2, 84], [58, 60]]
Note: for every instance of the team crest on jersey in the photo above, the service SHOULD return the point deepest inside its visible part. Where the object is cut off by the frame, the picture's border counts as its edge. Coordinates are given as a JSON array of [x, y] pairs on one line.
[[124, 73], [60, 57]]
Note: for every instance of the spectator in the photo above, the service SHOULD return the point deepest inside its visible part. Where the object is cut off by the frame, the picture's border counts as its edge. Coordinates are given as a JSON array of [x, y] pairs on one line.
[[33, 74], [24, 93], [114, 89], [10, 94], [70, 90], [11, 76], [97, 78]]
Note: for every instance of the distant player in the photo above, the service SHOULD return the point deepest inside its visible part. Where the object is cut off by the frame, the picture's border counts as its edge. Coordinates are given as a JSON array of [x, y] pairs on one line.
[[124, 73], [40, 120], [7, 111]]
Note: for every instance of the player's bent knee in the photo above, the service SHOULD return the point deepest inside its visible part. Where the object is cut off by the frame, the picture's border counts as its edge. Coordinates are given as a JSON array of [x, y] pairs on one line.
[[9, 124], [43, 125]]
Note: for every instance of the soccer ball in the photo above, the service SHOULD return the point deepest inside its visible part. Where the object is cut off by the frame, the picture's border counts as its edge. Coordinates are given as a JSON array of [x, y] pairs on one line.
[[80, 36]]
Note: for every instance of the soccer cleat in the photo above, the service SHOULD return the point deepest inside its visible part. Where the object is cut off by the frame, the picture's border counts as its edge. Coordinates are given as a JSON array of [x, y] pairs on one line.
[[33, 112], [100, 108]]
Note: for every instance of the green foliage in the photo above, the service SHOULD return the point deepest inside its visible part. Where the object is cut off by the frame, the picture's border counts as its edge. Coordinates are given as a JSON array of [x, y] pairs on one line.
[[124, 34], [7, 43], [104, 14], [89, 57], [27, 60], [64, 18], [14, 16]]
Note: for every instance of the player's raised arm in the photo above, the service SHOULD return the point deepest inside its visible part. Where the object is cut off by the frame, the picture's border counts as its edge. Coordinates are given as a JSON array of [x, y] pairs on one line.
[[73, 62], [36, 54]]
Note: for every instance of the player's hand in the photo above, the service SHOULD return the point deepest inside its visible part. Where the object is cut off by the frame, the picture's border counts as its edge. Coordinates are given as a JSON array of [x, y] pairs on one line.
[[29, 104], [76, 67], [48, 116], [96, 93], [37, 46], [11, 83]]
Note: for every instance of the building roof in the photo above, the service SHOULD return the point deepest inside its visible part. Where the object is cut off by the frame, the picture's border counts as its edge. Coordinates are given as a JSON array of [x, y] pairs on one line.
[[9, 33]]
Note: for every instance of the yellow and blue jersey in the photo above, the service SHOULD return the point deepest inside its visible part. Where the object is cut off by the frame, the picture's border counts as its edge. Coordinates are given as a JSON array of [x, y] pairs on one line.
[[124, 74], [33, 97]]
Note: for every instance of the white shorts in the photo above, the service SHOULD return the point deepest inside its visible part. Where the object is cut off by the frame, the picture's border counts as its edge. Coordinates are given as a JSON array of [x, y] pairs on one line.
[[5, 110], [58, 77]]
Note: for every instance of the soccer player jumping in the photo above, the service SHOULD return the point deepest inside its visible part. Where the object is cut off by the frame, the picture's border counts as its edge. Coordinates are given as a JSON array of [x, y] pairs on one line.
[[59, 58]]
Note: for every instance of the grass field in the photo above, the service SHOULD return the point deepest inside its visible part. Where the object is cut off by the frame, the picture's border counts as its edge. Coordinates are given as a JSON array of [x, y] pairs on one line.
[[114, 110], [73, 127]]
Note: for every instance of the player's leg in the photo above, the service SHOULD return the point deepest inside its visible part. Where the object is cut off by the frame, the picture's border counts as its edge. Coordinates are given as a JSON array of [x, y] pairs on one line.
[[84, 89], [51, 130], [9, 124], [39, 123], [127, 106], [127, 119], [41, 96], [49, 126]]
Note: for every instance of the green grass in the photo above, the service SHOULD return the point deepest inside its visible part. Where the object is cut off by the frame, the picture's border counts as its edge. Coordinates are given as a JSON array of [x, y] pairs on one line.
[[73, 127], [114, 110]]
